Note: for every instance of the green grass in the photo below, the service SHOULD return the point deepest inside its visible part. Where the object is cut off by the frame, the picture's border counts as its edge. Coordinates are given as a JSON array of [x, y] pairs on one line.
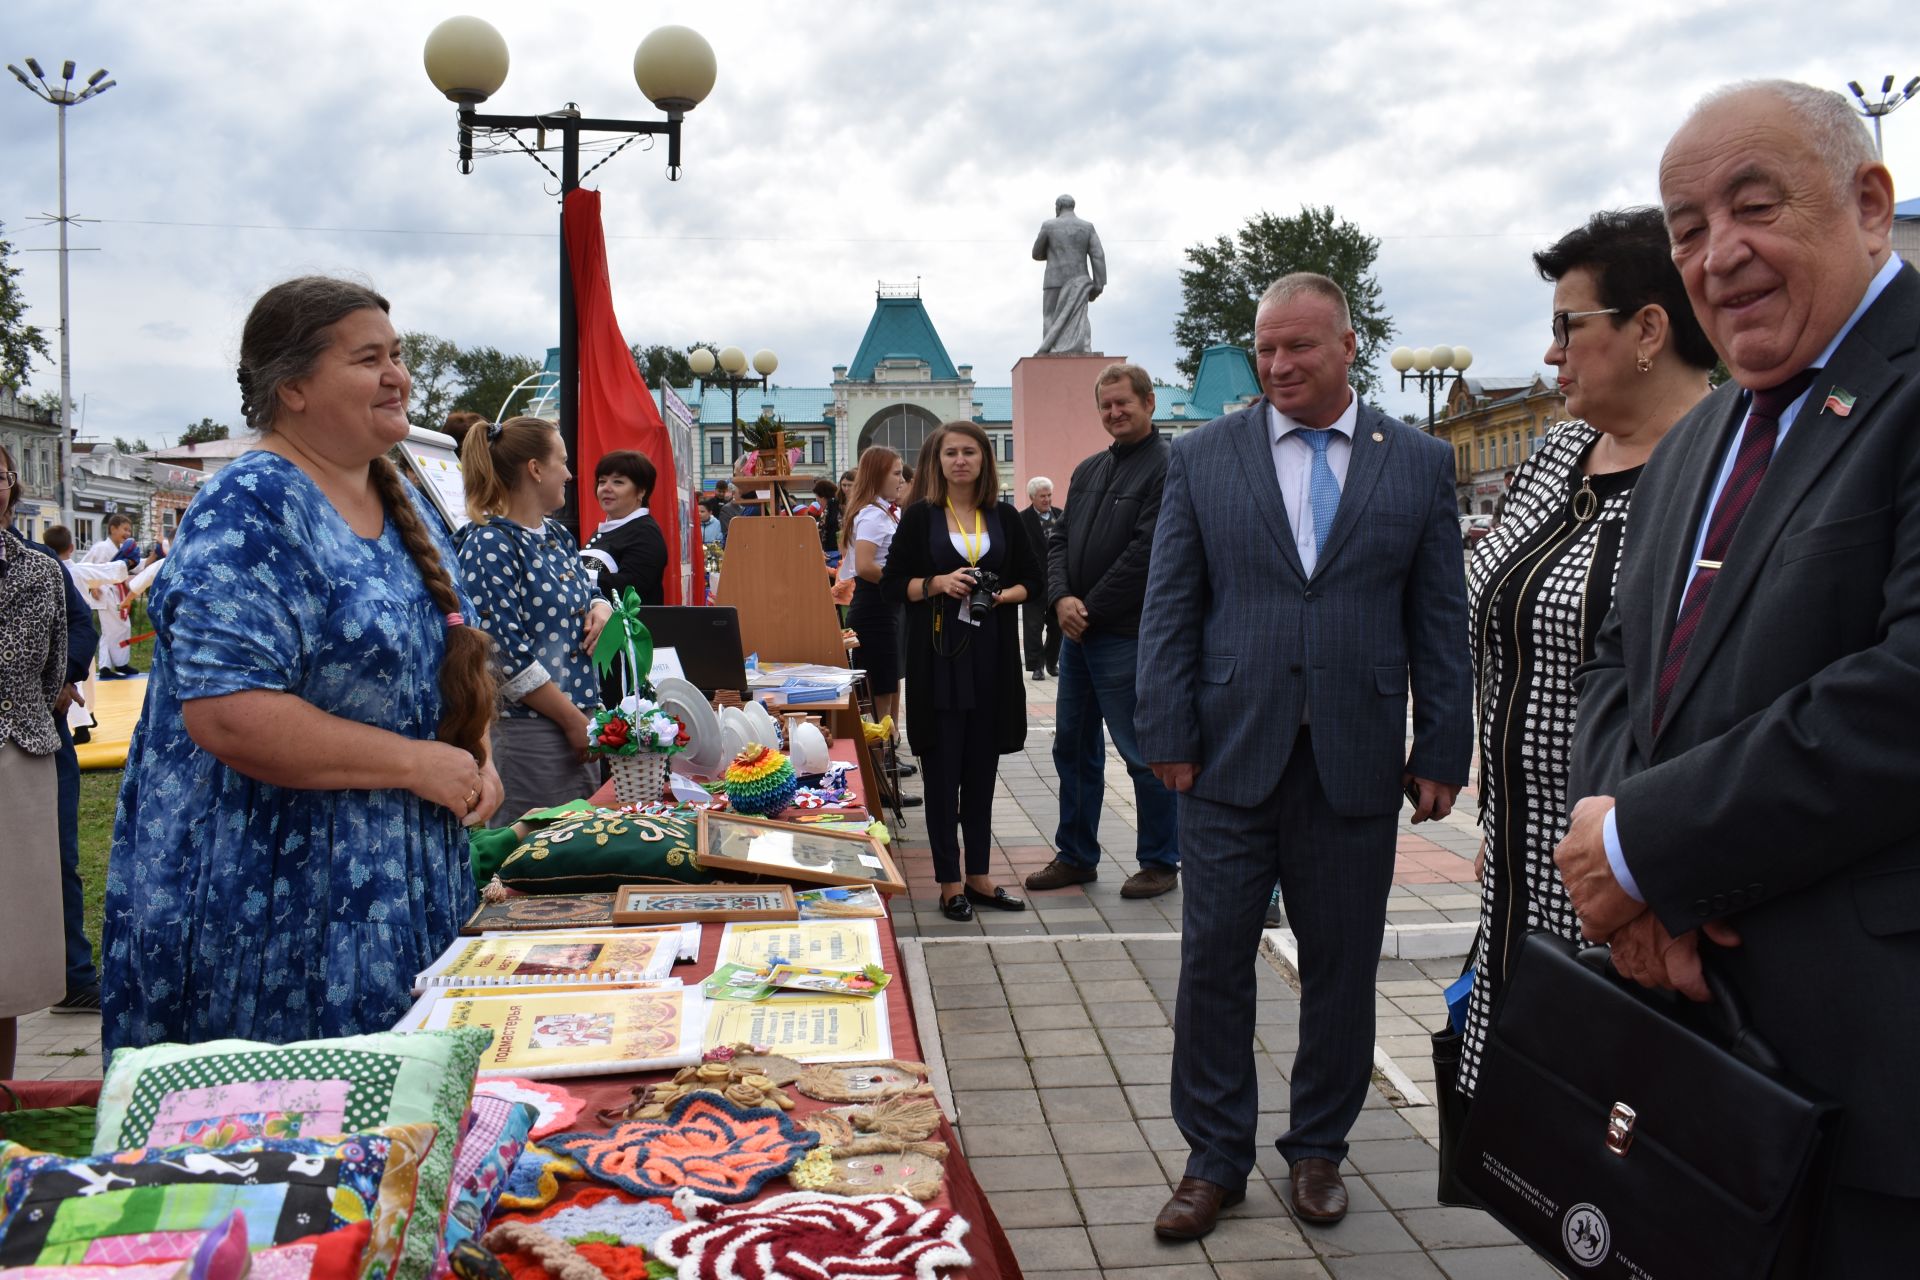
[[99, 797]]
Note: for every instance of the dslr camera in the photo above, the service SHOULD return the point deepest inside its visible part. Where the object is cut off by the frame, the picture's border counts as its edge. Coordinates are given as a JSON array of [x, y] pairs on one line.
[[985, 583]]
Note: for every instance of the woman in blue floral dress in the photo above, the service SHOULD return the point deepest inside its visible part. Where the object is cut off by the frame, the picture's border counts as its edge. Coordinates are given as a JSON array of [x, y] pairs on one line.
[[289, 850]]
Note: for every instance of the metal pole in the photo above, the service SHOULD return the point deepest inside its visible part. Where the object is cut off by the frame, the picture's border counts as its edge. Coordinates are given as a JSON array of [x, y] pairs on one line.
[[569, 323], [1879, 152], [66, 366], [733, 387]]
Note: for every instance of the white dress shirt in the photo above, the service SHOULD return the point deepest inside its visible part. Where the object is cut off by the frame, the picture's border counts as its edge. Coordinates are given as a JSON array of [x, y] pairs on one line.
[[1293, 466]]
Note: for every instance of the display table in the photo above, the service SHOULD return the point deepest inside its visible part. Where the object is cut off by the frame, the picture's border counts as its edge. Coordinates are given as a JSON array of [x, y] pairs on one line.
[[986, 1241]]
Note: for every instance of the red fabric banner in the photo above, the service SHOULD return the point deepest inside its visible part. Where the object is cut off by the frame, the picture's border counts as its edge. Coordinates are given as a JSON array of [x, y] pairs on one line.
[[616, 408]]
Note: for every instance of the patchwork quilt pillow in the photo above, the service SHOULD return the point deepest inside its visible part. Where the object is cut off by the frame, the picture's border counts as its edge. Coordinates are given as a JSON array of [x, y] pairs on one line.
[[172, 1093], [494, 1140], [149, 1204]]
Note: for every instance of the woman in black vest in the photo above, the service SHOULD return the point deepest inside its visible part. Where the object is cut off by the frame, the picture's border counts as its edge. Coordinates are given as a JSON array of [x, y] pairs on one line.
[[958, 558]]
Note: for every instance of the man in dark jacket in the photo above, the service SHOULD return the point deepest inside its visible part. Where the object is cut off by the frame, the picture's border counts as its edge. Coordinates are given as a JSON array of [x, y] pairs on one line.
[[1042, 657], [1096, 585]]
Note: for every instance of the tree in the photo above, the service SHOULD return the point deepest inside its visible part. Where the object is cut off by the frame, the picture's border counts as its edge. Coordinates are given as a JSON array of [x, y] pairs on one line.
[[205, 431], [123, 445], [659, 361], [487, 376], [431, 361], [20, 342], [1222, 291]]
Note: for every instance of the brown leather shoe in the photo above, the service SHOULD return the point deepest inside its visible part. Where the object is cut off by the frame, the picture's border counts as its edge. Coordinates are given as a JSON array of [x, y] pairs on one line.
[[1191, 1211], [1060, 873], [1319, 1193], [1150, 882]]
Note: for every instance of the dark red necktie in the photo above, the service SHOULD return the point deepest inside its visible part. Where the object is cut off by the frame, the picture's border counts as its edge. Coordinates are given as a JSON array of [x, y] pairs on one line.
[[1749, 469]]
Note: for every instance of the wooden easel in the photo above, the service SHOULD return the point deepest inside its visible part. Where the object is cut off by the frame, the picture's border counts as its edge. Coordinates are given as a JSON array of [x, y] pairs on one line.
[[773, 573]]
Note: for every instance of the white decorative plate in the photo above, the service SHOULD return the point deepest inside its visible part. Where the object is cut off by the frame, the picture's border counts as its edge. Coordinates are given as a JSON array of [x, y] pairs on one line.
[[706, 745]]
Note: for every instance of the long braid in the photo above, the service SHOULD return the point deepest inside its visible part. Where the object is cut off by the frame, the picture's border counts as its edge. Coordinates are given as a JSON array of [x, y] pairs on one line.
[[467, 693]]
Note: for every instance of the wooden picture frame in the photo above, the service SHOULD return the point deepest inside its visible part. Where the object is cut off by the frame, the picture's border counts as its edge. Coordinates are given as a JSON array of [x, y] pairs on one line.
[[679, 903], [794, 852]]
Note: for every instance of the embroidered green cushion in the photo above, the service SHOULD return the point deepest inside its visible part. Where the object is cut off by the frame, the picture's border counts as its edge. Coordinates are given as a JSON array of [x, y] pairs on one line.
[[598, 852], [173, 1093]]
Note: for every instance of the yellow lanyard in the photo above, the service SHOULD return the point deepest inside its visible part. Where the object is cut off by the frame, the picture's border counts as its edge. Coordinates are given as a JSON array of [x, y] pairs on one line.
[[973, 557]]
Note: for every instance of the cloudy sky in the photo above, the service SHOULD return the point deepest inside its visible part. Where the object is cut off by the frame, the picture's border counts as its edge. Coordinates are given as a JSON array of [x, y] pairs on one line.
[[846, 144]]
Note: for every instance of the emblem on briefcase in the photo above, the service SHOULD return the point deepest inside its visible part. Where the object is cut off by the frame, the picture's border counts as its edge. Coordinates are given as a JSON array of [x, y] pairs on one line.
[[1585, 1234]]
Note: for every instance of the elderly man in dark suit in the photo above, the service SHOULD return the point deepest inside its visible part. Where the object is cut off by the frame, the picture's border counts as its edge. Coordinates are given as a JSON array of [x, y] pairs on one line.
[[1305, 574], [1036, 616], [1746, 752]]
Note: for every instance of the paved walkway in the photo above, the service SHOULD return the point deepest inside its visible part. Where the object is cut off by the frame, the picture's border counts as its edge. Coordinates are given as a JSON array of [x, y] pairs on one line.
[[1051, 1033]]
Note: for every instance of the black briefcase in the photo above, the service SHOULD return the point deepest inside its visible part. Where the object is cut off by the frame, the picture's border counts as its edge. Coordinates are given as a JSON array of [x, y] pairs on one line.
[[1619, 1140]]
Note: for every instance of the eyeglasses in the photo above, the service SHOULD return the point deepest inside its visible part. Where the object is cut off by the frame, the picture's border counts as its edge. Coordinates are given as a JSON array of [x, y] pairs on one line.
[[8, 477], [1561, 327]]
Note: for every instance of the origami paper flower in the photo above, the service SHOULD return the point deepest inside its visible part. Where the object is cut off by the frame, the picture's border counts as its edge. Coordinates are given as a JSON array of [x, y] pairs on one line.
[[806, 1235], [705, 1143]]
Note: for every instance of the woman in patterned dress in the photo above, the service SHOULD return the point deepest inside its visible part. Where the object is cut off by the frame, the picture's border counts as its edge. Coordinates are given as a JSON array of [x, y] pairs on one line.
[[289, 849], [1631, 360], [33, 671], [539, 603]]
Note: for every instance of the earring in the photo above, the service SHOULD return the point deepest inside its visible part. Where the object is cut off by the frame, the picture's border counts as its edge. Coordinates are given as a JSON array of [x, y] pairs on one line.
[[1643, 364]]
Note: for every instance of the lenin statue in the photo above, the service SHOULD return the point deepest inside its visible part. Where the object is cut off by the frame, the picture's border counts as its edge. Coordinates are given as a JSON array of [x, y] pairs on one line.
[[1076, 274]]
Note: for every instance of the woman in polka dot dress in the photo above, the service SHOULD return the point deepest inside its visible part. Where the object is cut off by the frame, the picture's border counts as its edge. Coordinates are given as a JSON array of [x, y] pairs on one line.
[[535, 598]]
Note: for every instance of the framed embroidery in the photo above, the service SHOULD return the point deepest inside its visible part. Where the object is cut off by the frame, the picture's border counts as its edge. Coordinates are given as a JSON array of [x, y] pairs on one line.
[[785, 851], [655, 904]]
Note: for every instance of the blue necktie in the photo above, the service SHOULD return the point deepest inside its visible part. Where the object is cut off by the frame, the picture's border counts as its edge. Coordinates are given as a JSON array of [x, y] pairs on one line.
[[1323, 491]]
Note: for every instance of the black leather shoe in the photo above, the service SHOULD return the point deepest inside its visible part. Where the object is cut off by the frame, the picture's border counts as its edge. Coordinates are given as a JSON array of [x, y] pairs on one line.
[[999, 899], [957, 908], [904, 769], [1039, 675]]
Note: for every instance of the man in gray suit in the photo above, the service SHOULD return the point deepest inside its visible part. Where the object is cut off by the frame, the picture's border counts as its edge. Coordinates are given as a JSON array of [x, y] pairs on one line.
[[1305, 574], [1746, 752], [1076, 275]]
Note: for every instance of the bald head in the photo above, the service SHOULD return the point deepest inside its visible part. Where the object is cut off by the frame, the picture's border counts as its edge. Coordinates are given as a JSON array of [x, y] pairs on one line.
[[1779, 215]]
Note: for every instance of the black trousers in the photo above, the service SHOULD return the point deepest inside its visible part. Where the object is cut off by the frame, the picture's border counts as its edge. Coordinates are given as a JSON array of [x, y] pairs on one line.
[[959, 771], [1033, 618]]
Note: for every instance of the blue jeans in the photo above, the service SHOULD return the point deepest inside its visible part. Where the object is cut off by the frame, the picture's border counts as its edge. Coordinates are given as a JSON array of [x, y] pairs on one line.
[[1096, 684], [66, 770]]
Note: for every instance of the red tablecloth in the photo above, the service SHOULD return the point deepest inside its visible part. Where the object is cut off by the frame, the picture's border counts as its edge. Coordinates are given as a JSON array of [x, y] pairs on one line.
[[987, 1241]]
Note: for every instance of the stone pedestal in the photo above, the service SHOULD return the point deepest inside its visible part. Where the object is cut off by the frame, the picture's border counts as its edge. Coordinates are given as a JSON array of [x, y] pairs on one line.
[[1056, 424]]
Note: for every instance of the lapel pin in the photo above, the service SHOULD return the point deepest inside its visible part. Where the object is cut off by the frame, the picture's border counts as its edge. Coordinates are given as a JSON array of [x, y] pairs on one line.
[[1377, 437], [1840, 402]]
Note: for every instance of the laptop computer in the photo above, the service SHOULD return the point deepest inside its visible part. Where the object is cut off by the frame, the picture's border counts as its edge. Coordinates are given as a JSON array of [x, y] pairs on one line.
[[706, 638]]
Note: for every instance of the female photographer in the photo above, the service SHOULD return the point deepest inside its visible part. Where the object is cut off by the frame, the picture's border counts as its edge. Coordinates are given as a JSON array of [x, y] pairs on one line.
[[958, 557]]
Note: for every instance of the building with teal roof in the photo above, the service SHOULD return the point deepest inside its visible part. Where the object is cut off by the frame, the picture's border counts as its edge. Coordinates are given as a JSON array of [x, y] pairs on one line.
[[901, 384]]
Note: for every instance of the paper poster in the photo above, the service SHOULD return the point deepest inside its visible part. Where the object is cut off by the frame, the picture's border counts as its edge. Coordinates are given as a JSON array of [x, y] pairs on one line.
[[415, 1019], [807, 1029], [440, 468], [824, 944], [547, 959], [579, 1033]]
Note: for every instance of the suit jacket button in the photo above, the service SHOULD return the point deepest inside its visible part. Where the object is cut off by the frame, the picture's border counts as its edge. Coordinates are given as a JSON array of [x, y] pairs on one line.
[[1294, 668], [1308, 595], [1700, 907], [1719, 904]]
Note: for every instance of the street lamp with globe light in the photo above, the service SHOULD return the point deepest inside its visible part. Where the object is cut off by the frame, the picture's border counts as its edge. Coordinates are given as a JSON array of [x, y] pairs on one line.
[[1429, 367], [732, 362], [466, 58]]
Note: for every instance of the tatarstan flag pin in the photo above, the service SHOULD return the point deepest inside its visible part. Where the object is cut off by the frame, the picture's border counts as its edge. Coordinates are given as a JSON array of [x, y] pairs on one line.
[[1840, 402]]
